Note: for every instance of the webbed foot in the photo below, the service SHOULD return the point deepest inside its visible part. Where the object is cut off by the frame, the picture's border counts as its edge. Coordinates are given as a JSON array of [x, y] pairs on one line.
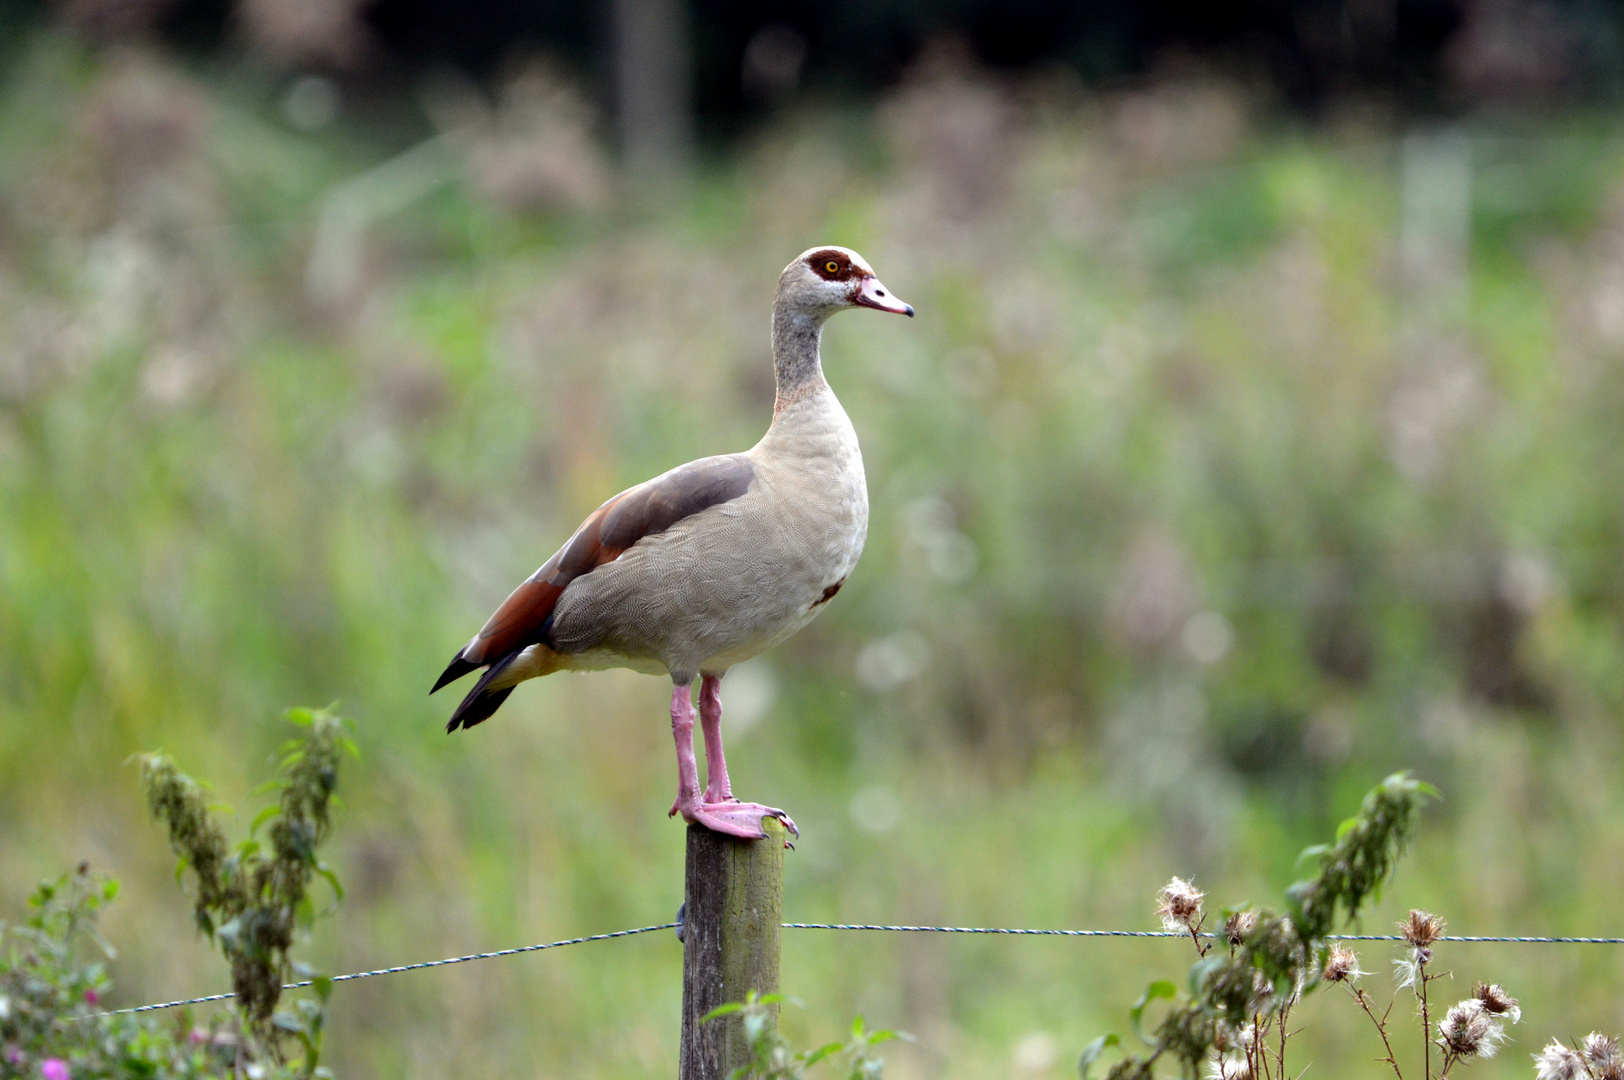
[[733, 818]]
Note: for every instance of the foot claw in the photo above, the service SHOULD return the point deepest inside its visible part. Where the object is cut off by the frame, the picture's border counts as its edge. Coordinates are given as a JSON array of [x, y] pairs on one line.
[[734, 818]]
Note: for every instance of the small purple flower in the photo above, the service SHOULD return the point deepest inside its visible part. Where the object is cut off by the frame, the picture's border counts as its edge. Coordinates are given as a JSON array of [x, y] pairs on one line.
[[91, 997], [54, 1069], [14, 1057]]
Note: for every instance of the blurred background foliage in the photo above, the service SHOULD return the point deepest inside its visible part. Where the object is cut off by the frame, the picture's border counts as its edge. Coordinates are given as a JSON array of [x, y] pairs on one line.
[[1242, 453]]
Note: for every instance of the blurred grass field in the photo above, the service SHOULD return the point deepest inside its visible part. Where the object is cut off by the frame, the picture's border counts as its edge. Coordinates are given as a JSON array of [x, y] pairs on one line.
[[1229, 466]]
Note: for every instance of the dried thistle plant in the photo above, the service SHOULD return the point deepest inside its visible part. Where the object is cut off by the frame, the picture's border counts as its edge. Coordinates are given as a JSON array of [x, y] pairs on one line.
[[1178, 905], [1236, 1020], [1241, 1002], [1596, 1058], [1341, 964], [1237, 925]]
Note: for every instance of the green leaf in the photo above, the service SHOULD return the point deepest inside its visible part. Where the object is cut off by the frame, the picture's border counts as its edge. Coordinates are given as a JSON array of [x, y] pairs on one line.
[[722, 1010], [323, 986], [1203, 969], [247, 849], [1091, 1054], [109, 890], [332, 879], [1312, 851], [1161, 988], [262, 817], [812, 1057]]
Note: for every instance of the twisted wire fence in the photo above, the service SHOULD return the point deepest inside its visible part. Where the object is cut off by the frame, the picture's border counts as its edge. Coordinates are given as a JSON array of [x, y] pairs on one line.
[[1518, 939]]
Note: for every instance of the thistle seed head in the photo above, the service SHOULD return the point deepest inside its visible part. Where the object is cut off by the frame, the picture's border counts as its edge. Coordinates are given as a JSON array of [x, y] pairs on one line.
[[1557, 1062], [1496, 1002], [1421, 929], [1602, 1055], [1238, 925], [1228, 1037], [1407, 969], [1341, 964], [1468, 1030], [1179, 906], [1233, 1067]]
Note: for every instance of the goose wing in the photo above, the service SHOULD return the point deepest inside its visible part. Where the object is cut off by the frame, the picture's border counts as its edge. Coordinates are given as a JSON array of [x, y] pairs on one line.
[[525, 617]]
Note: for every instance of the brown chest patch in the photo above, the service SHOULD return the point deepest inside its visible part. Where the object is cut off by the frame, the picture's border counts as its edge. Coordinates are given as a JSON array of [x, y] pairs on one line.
[[828, 594]]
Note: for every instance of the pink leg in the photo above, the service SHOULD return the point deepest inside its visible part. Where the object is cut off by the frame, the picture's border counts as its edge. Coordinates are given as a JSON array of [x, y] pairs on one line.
[[682, 730], [717, 788], [716, 808]]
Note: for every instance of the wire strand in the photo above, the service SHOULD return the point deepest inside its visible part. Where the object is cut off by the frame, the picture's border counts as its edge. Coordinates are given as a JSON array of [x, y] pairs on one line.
[[1009, 930], [407, 967], [1181, 934]]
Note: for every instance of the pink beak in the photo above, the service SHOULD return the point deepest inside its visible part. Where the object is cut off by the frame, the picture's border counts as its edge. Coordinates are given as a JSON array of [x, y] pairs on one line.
[[873, 294]]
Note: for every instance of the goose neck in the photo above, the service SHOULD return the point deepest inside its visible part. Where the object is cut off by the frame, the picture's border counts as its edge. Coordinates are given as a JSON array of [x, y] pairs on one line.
[[796, 362]]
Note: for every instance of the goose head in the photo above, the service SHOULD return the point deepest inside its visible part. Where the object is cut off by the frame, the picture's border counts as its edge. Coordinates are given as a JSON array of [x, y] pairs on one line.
[[822, 280]]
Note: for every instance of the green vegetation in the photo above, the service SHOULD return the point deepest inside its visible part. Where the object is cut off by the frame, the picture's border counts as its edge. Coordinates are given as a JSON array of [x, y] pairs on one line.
[[772, 1059], [1240, 1002], [53, 1018], [253, 900], [1214, 481]]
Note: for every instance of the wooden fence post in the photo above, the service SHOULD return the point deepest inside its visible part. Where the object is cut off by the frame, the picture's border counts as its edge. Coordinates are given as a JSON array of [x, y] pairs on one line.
[[734, 905]]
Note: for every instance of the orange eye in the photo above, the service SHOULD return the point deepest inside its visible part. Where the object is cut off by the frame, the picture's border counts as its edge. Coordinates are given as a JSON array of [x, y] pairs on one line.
[[832, 266]]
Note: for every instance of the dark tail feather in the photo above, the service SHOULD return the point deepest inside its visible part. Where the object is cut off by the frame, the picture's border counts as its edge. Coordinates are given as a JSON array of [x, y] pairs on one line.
[[476, 709], [480, 703], [453, 671]]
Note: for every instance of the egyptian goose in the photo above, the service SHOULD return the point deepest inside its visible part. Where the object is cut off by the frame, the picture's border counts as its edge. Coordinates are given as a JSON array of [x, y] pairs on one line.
[[709, 564]]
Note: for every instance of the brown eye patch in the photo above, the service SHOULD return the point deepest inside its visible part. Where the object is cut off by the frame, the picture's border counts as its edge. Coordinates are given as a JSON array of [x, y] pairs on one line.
[[831, 265]]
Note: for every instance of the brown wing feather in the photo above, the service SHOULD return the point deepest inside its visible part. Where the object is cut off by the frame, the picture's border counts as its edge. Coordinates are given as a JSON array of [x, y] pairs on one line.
[[645, 510]]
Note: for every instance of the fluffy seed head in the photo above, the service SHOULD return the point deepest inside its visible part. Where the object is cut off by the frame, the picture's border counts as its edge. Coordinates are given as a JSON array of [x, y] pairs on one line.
[[1238, 925], [1468, 1030], [1232, 1067], [1557, 1062], [1341, 965], [1179, 905], [1407, 969], [1602, 1055], [1496, 1002], [1421, 929]]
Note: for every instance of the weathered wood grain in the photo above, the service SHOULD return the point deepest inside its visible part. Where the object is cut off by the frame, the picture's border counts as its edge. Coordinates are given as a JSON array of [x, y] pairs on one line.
[[734, 897]]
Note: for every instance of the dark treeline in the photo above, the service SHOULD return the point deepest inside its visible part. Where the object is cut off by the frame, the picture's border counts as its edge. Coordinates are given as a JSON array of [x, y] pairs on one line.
[[742, 58]]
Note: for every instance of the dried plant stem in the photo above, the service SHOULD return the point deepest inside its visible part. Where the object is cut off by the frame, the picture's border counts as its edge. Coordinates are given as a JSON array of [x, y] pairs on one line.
[[1381, 1027], [1426, 1022], [1280, 1055], [1195, 936]]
